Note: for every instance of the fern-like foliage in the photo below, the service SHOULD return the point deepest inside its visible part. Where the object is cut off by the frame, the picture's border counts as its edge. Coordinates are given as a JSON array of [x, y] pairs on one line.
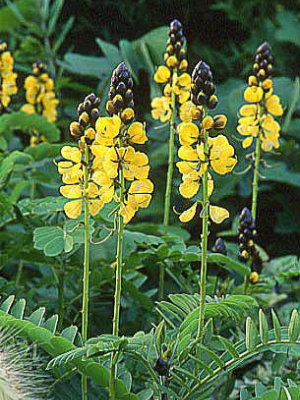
[[182, 310], [214, 365], [280, 391], [43, 332]]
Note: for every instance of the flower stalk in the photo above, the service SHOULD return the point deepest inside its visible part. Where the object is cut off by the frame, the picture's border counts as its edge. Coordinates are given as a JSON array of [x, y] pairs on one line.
[[204, 239], [85, 291], [255, 179], [169, 182]]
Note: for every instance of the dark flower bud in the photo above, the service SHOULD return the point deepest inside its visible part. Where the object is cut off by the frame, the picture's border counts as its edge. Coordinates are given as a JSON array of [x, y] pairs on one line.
[[120, 93], [212, 102], [219, 247], [161, 367], [263, 59]]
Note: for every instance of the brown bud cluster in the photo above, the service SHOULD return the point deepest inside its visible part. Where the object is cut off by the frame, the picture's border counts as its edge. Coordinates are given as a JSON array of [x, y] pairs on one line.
[[39, 68], [175, 56], [120, 96], [88, 112], [203, 88], [263, 64], [246, 239]]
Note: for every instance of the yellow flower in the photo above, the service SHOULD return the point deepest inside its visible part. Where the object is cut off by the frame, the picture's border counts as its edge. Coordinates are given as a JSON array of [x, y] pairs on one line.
[[271, 130], [73, 208], [135, 164], [141, 191], [70, 167], [137, 133], [273, 105], [218, 214], [188, 133], [161, 108], [162, 74], [189, 111], [253, 94], [107, 128], [139, 196], [182, 87], [28, 109], [221, 155], [188, 214], [191, 182]]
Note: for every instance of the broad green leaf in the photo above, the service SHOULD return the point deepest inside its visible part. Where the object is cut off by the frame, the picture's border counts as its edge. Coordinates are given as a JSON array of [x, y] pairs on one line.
[[9, 20], [97, 67], [110, 51], [29, 123], [289, 30], [280, 173], [50, 239]]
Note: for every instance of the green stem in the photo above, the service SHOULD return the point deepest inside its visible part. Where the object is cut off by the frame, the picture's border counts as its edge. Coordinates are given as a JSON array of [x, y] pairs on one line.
[[61, 301], [204, 236], [118, 289], [255, 178], [85, 293], [169, 183]]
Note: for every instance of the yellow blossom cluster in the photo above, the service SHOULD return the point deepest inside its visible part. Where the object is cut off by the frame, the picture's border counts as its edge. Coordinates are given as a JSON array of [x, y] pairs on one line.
[[172, 75], [202, 154], [105, 165], [256, 119], [40, 95], [8, 86]]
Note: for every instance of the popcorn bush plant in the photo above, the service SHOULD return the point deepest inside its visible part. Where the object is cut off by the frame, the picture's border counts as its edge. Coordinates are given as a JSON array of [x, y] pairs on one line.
[[188, 349], [104, 167]]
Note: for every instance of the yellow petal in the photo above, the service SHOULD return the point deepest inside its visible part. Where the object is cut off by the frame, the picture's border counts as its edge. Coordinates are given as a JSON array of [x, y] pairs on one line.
[[137, 133], [73, 208], [188, 133], [253, 94], [188, 214], [95, 206], [218, 214], [71, 191], [71, 153], [189, 188], [162, 74], [247, 142]]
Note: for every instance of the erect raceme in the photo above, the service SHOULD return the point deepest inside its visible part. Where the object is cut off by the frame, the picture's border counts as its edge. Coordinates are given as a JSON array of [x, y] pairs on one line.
[[257, 118], [8, 86], [76, 165], [40, 94], [173, 75], [108, 141], [201, 154], [246, 239]]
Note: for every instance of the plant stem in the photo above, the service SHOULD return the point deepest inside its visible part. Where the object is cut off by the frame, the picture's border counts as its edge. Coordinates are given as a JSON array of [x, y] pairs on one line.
[[60, 290], [204, 236], [255, 178], [85, 293], [118, 289], [169, 182]]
